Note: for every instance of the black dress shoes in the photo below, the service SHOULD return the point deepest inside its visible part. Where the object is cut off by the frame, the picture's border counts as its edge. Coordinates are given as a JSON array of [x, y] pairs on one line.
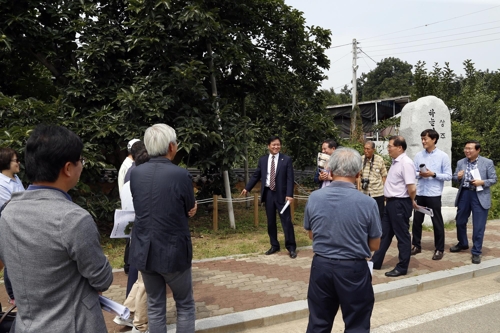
[[458, 248], [394, 273], [476, 259], [438, 255], [293, 254], [271, 251], [415, 250]]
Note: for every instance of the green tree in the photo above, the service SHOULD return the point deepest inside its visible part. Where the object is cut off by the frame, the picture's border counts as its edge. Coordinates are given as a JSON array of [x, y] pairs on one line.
[[441, 82], [114, 67], [476, 115], [392, 77], [357, 135]]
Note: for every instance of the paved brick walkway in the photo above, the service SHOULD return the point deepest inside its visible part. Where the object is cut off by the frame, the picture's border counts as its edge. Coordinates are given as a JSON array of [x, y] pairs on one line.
[[255, 281]]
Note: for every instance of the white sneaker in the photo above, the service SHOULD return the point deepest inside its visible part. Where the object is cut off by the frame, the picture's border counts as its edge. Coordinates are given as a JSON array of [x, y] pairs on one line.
[[135, 330], [124, 322]]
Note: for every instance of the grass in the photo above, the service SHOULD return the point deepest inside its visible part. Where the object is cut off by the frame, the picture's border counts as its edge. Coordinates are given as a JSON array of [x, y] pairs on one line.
[[207, 243], [245, 239]]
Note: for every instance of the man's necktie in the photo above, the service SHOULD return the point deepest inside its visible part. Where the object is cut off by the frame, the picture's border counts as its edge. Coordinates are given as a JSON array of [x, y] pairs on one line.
[[272, 179]]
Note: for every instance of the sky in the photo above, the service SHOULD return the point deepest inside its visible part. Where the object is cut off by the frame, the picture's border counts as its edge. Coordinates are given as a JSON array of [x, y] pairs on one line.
[[411, 30]]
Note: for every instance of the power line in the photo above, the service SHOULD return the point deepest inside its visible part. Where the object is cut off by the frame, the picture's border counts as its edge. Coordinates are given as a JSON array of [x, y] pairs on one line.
[[419, 40], [367, 56], [440, 42], [345, 55], [435, 32], [334, 47], [367, 63], [426, 25], [437, 48]]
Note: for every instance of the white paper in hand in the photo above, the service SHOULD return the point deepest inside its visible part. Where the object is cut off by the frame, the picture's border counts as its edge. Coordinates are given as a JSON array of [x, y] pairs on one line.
[[285, 207], [114, 307], [477, 176], [425, 210]]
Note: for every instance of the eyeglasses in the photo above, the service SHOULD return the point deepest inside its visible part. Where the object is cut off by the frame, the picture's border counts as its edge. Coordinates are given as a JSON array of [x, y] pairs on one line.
[[469, 149], [82, 160], [16, 160]]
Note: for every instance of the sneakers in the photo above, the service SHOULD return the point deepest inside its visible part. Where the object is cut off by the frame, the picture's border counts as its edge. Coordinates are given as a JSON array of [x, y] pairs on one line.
[[124, 322], [135, 330]]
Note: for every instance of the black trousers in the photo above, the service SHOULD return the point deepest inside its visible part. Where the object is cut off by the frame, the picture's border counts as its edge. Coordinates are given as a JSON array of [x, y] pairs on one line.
[[437, 222], [344, 283], [381, 205], [396, 222], [272, 205]]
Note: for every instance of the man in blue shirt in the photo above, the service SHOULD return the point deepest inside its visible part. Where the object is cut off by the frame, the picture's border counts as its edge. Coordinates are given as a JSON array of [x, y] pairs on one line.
[[344, 225], [433, 168]]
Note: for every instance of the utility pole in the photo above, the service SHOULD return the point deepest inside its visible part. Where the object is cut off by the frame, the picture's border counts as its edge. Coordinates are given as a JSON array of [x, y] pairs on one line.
[[354, 84], [225, 173]]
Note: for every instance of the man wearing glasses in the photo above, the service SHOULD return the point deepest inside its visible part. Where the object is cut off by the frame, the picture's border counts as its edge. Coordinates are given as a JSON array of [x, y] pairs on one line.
[[476, 174], [373, 175], [50, 244], [399, 192]]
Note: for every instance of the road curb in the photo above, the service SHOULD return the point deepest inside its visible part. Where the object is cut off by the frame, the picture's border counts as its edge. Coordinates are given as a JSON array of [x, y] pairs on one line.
[[277, 314]]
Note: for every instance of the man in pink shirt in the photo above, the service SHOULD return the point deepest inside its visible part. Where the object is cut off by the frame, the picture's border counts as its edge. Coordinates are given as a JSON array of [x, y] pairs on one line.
[[399, 192]]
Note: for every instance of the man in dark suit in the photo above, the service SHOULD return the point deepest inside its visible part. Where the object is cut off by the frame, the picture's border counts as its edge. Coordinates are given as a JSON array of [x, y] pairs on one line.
[[275, 171], [160, 246], [473, 196]]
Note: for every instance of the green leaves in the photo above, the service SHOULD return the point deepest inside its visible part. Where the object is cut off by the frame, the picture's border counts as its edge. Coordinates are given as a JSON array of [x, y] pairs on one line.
[[110, 69]]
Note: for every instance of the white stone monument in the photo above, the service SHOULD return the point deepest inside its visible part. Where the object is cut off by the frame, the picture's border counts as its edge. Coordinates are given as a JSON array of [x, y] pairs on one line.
[[430, 112]]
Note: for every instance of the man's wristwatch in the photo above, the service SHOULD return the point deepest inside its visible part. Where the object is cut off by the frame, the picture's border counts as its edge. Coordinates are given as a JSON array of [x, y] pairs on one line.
[[434, 175]]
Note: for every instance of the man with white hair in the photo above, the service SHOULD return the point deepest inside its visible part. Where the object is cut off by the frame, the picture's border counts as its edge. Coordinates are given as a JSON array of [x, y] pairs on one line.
[[344, 225], [160, 246]]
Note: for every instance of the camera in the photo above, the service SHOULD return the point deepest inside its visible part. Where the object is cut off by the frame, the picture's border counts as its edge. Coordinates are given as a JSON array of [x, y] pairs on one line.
[[364, 183]]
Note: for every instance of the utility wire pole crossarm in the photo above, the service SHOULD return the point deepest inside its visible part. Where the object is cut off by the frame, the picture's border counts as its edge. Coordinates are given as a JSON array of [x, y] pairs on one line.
[[354, 83]]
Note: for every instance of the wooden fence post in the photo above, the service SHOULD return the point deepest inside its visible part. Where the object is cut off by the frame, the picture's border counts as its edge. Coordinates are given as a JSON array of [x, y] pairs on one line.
[[256, 210], [216, 214]]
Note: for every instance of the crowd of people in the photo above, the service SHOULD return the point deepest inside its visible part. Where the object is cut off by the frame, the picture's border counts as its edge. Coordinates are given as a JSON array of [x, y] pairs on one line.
[[56, 277], [345, 228]]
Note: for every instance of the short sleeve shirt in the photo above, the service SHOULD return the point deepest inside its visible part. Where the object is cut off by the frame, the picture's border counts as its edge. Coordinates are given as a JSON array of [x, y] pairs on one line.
[[342, 219], [401, 174], [374, 172]]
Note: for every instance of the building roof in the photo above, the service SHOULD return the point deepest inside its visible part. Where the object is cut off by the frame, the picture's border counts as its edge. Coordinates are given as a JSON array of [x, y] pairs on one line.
[[371, 112]]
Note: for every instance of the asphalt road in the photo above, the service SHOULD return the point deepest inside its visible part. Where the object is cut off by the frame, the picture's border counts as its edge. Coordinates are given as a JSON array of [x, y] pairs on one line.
[[468, 306]]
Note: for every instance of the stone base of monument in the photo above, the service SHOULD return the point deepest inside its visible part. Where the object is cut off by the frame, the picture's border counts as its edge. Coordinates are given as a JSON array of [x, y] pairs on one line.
[[448, 197]]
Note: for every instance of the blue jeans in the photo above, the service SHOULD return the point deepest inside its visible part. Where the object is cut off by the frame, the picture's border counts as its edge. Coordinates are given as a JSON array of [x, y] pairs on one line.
[[467, 203], [181, 284]]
